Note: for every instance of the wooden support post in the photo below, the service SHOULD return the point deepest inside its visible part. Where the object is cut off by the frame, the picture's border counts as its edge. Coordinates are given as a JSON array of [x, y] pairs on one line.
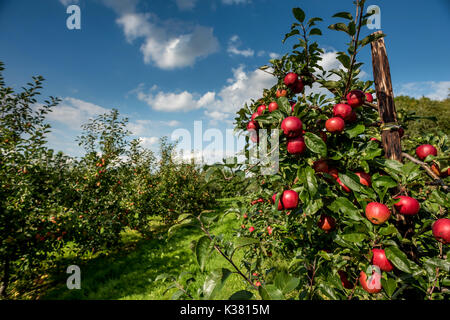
[[385, 97]]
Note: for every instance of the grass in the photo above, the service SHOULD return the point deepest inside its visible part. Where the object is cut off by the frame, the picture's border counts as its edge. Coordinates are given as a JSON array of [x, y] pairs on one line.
[[130, 274]]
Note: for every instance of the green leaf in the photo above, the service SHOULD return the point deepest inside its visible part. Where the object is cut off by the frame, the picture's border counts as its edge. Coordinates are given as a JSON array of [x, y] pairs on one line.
[[354, 237], [177, 295], [312, 21], [274, 293], [389, 286], [214, 282], [344, 59], [284, 105], [315, 31], [344, 205], [202, 251], [351, 28], [384, 181], [241, 295], [345, 15], [355, 130], [285, 282], [370, 38], [290, 34], [352, 183], [240, 242], [339, 27], [299, 14], [398, 259], [439, 263], [315, 144]]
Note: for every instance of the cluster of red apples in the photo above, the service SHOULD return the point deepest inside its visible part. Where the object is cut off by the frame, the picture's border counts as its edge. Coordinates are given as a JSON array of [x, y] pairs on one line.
[[375, 212]]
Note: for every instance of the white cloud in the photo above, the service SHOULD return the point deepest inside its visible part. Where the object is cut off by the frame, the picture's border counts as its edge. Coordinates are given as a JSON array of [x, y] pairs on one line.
[[239, 89], [274, 55], [233, 44], [175, 102], [74, 112], [148, 142], [430, 89], [166, 49], [68, 2], [139, 127], [186, 4], [171, 123]]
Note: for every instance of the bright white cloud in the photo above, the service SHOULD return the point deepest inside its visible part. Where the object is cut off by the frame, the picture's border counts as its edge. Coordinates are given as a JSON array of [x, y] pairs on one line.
[[166, 49], [139, 127], [430, 89], [186, 4], [175, 102], [241, 88], [148, 142], [233, 45], [74, 112]]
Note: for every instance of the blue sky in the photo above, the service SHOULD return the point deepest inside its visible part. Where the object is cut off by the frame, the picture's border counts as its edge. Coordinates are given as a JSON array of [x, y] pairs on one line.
[[167, 63]]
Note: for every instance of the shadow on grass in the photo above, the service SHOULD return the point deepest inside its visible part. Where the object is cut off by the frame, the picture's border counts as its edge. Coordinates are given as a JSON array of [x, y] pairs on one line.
[[130, 274]]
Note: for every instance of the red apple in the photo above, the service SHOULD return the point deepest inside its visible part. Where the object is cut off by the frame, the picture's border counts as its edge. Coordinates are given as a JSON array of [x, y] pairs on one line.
[[342, 110], [298, 86], [369, 97], [254, 137], [289, 199], [269, 230], [320, 166], [425, 150], [273, 106], [438, 172], [407, 205], [344, 280], [355, 98], [252, 125], [281, 93], [352, 118], [333, 172], [375, 284], [292, 127], [335, 125], [280, 205], [377, 213], [254, 116], [376, 140], [290, 79], [326, 223], [261, 109], [441, 230], [379, 259], [292, 105], [251, 229], [296, 145], [364, 178]]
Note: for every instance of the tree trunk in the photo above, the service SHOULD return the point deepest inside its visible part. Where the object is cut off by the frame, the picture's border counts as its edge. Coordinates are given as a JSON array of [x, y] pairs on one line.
[[385, 96]]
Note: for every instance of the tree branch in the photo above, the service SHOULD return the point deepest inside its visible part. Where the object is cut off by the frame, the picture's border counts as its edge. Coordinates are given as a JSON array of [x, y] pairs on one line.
[[427, 169]]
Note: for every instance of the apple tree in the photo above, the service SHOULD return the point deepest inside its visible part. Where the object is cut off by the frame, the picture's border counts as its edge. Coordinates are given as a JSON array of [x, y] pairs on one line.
[[338, 220]]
